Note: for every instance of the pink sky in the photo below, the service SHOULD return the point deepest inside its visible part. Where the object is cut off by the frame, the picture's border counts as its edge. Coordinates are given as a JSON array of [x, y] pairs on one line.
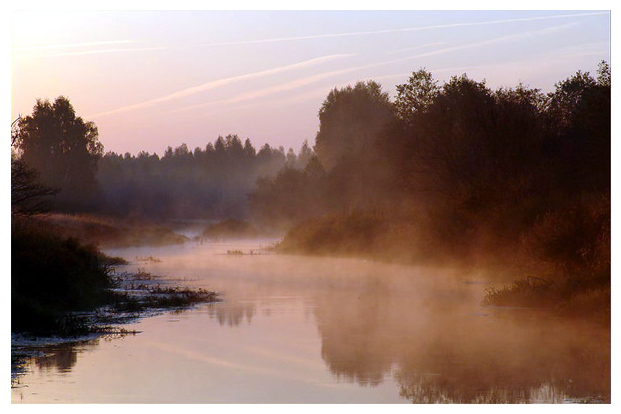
[[153, 79]]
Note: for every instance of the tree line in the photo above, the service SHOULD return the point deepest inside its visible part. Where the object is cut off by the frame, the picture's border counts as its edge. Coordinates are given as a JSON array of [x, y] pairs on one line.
[[442, 168], [59, 164], [458, 171]]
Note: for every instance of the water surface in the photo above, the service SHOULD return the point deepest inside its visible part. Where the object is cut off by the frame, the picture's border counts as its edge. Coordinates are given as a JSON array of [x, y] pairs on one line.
[[327, 330]]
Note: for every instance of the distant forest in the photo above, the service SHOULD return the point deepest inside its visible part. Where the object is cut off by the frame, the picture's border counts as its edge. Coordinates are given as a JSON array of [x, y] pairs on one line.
[[211, 182]]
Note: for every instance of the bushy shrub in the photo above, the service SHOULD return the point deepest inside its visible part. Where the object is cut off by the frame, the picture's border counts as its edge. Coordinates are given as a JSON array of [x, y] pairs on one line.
[[52, 276]]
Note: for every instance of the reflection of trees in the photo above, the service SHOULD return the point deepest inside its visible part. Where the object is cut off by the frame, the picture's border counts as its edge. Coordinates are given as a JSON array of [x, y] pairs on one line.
[[232, 314], [475, 365], [440, 355], [61, 358], [349, 342]]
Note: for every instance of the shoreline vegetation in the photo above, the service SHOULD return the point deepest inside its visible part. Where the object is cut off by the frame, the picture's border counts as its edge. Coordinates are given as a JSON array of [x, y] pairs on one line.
[[112, 231], [62, 287], [461, 174], [574, 284], [129, 297]]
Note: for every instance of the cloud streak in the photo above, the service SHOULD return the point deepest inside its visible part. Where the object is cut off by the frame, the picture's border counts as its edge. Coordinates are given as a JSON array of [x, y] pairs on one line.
[[222, 82], [94, 52], [408, 29], [318, 77], [409, 49], [72, 45], [272, 89], [497, 40]]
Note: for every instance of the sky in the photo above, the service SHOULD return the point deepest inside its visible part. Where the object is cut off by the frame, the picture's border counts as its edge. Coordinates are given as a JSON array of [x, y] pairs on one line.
[[153, 79]]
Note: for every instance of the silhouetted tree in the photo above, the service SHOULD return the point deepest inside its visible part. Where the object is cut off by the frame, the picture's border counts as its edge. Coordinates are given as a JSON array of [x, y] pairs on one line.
[[63, 148], [416, 94], [210, 182], [474, 169], [28, 196], [349, 121]]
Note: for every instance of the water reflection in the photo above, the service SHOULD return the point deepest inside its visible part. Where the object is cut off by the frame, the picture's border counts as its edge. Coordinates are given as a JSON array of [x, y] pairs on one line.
[[331, 330], [232, 314], [61, 358], [55, 357], [462, 357]]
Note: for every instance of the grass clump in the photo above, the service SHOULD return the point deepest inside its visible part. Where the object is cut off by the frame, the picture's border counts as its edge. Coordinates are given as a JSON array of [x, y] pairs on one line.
[[176, 297]]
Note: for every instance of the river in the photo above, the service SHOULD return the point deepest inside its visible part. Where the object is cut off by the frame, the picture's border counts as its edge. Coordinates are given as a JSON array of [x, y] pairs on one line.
[[294, 329]]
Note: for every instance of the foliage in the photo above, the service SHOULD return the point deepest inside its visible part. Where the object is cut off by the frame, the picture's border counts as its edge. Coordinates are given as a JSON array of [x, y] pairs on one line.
[[348, 121], [110, 231], [416, 94], [51, 276], [28, 196], [230, 228], [512, 173], [210, 182], [290, 196], [62, 147], [352, 234]]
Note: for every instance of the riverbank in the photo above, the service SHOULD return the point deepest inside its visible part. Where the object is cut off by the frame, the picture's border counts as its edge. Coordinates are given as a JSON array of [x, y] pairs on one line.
[[112, 231], [61, 286], [132, 296], [561, 264], [311, 329]]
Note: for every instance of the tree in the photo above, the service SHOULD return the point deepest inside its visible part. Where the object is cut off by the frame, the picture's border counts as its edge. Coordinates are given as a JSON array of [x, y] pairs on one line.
[[416, 94], [28, 196], [603, 74], [305, 155], [349, 121], [580, 107], [62, 147]]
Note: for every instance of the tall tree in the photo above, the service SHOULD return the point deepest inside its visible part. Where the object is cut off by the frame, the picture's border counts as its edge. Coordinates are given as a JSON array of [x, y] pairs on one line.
[[349, 121], [416, 95], [63, 148]]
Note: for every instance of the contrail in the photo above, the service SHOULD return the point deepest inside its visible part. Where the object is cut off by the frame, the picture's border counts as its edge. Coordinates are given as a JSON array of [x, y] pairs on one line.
[[93, 52], [222, 82], [408, 29], [409, 49], [70, 45], [315, 78], [272, 89], [501, 39]]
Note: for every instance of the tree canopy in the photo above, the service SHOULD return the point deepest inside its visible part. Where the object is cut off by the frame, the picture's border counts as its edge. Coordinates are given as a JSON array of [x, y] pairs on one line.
[[62, 147], [349, 119]]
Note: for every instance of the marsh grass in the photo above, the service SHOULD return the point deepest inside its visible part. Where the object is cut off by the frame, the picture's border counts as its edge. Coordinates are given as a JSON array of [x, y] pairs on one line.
[[148, 259], [161, 298], [564, 300], [528, 292]]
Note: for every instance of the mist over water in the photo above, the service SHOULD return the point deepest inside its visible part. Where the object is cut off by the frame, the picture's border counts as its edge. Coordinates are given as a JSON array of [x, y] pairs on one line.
[[313, 329]]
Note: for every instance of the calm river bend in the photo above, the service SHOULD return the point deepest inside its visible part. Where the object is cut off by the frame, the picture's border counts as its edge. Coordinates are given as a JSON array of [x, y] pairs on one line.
[[324, 330]]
